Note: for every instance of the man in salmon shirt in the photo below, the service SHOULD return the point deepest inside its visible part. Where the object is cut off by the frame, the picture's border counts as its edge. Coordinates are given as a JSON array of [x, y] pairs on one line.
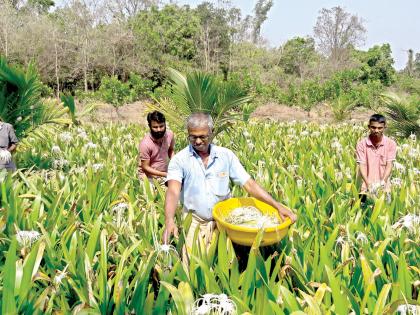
[[155, 149], [375, 155]]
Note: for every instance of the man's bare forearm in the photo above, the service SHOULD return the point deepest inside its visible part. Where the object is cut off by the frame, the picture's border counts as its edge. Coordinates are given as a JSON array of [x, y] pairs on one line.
[[256, 191], [388, 170], [363, 173], [171, 202], [12, 148], [154, 172]]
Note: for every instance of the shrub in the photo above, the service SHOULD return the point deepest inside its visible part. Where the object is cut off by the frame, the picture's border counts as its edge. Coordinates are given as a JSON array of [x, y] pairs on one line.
[[140, 87], [115, 92]]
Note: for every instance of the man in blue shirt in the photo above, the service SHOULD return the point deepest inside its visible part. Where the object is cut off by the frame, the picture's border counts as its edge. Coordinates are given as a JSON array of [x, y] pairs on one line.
[[199, 176]]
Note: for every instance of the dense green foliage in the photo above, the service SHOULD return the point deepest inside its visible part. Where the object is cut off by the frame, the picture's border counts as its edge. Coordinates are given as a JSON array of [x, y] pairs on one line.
[[99, 229], [21, 104], [80, 50], [201, 92]]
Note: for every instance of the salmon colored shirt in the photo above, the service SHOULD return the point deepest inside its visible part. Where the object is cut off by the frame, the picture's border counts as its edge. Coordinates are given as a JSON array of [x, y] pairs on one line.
[[375, 158], [156, 151]]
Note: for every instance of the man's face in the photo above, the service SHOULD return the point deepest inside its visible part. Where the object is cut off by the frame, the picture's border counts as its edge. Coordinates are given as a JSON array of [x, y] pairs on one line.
[[376, 128], [157, 129], [200, 138]]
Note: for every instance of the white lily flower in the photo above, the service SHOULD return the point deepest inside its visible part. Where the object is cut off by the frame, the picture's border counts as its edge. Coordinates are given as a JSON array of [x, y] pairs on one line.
[[165, 255], [361, 238], [413, 137], [55, 149], [119, 207], [214, 304], [105, 140], [337, 146], [273, 144], [66, 137], [341, 240], [19, 119], [408, 309], [59, 276], [413, 153], [399, 167], [82, 134], [27, 238], [97, 166], [348, 173], [396, 182], [292, 168], [90, 145], [410, 222], [304, 133], [60, 163]]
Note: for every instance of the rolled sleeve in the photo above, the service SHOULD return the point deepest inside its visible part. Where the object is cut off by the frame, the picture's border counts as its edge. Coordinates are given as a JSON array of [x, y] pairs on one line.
[[175, 170], [361, 153], [12, 136], [144, 151], [172, 143], [392, 151], [237, 172]]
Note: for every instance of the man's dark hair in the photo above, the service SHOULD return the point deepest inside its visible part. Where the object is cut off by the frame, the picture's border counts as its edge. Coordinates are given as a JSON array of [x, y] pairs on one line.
[[377, 118], [155, 116]]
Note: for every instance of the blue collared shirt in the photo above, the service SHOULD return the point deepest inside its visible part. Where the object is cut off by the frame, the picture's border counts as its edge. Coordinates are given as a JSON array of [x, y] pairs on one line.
[[203, 187]]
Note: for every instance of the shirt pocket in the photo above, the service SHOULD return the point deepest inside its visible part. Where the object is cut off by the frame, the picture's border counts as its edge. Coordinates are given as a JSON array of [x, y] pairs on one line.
[[382, 160], [220, 184]]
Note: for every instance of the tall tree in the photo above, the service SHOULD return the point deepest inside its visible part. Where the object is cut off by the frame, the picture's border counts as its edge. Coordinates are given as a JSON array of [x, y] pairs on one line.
[[297, 54], [417, 65], [261, 10], [409, 68], [336, 31], [8, 25], [165, 36], [124, 9], [215, 36], [40, 6]]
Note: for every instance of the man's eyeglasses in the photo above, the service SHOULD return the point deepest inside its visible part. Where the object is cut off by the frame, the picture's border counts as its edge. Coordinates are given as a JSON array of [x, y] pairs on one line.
[[202, 138]]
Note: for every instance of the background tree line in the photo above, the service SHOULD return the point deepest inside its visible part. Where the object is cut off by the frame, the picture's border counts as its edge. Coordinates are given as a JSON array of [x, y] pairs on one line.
[[120, 50]]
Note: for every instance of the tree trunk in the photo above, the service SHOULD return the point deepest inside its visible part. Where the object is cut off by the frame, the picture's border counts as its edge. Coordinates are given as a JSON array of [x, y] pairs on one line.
[[114, 61], [6, 41], [85, 66], [56, 69]]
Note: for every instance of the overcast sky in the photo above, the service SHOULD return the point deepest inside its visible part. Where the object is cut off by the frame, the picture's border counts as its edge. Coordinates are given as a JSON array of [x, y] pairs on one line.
[[387, 21]]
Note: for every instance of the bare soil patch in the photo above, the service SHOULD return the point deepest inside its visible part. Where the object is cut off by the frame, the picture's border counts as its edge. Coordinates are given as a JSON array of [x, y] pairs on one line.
[[136, 113], [320, 114], [131, 113]]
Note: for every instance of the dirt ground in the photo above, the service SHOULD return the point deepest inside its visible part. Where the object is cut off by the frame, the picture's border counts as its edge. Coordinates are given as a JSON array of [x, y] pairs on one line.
[[136, 113]]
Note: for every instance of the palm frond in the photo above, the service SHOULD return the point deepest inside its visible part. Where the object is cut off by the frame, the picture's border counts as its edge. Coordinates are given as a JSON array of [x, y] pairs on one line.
[[202, 92], [404, 115]]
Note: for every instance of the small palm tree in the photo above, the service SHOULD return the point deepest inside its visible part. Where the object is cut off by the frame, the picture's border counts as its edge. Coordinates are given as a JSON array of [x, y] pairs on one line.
[[22, 106], [201, 92], [404, 114]]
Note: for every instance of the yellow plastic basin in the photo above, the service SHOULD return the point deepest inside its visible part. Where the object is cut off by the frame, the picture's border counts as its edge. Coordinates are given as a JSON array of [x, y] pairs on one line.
[[246, 235]]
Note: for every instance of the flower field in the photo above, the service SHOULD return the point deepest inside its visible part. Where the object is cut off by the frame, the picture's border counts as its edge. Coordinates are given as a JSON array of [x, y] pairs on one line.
[[79, 234]]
